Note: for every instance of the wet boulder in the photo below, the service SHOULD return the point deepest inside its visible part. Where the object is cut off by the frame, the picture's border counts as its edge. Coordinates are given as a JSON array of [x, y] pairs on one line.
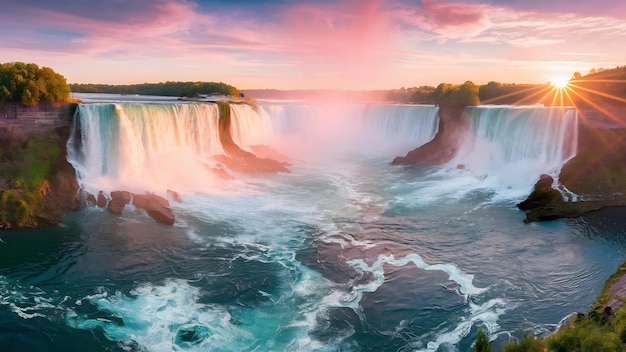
[[156, 206], [543, 194], [101, 200], [118, 201]]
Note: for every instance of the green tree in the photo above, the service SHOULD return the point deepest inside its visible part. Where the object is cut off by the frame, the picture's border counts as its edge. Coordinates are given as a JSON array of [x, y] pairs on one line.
[[29, 85], [482, 342], [465, 94]]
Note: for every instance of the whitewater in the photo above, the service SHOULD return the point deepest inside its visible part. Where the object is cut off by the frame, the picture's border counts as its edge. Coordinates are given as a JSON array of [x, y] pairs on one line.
[[343, 252]]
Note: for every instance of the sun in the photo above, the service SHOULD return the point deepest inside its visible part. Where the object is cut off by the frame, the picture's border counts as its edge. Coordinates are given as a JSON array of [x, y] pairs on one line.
[[560, 82]]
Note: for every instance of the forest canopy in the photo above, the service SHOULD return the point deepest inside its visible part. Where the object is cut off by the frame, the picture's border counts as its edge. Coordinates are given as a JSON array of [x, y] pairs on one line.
[[28, 84], [174, 89]]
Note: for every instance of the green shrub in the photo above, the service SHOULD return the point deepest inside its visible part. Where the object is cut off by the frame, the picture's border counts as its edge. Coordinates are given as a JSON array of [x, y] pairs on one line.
[[528, 344], [600, 341], [14, 209], [482, 342]]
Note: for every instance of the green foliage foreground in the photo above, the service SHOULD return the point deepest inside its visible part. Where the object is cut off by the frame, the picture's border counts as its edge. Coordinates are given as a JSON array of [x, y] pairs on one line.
[[28, 84]]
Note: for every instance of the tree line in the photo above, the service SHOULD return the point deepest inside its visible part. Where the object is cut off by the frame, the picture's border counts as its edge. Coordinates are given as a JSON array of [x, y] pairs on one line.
[[174, 89], [465, 94], [601, 86], [29, 84]]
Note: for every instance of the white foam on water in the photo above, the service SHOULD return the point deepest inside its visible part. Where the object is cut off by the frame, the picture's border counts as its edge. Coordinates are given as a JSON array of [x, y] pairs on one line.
[[487, 313], [171, 317], [464, 280], [27, 302], [164, 317]]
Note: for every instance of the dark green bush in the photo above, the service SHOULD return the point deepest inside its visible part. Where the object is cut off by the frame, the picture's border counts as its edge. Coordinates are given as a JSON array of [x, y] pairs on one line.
[[482, 342]]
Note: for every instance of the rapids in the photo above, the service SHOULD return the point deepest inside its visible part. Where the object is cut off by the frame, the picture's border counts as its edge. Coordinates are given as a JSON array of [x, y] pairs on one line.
[[344, 252]]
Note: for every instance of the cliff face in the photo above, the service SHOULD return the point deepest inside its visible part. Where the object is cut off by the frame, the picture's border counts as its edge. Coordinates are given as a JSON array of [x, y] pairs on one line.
[[37, 184]]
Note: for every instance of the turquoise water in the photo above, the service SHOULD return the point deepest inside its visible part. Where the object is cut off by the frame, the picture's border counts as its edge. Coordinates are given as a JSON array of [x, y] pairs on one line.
[[346, 252]]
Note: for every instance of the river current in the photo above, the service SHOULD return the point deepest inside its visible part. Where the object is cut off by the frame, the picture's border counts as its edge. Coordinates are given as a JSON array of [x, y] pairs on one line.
[[344, 253]]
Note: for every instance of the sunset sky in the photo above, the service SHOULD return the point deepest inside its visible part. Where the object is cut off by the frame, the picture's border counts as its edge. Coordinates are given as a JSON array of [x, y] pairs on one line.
[[289, 44]]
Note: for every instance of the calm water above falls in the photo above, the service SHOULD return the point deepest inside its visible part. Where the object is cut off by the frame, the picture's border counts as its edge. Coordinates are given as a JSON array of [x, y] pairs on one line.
[[346, 252]]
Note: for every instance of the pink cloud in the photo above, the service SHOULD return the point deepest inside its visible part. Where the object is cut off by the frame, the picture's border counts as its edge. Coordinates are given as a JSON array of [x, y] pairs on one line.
[[350, 39], [452, 14], [341, 44]]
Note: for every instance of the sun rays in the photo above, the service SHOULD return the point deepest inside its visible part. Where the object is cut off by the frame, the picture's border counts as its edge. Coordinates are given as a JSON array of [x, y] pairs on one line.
[[598, 101], [560, 82]]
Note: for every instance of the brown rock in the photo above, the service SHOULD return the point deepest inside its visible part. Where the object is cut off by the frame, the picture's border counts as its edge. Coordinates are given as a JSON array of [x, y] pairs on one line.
[[162, 215], [102, 200], [443, 147], [542, 195], [119, 199], [91, 199], [156, 206], [175, 196]]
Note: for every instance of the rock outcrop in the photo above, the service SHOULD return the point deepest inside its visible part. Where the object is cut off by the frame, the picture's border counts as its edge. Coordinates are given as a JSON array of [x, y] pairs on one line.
[[157, 207], [542, 194], [443, 148], [101, 200], [237, 159], [597, 175], [118, 201]]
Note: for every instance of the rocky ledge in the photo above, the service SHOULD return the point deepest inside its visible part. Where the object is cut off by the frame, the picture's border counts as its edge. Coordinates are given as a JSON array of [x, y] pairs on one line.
[[157, 207], [446, 143], [596, 176]]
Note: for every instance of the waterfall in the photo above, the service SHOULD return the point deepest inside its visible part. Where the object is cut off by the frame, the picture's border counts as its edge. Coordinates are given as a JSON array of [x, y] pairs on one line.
[[149, 145], [371, 129], [144, 146], [288, 118], [516, 144], [250, 126], [398, 128]]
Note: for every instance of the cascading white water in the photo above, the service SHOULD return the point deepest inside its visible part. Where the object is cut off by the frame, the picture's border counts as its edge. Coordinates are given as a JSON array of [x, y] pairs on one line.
[[370, 129], [140, 146], [288, 118], [512, 146], [249, 126], [399, 128], [156, 146]]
